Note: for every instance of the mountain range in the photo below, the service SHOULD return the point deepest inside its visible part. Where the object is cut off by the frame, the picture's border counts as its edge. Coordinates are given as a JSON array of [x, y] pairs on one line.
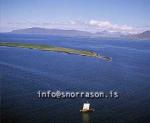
[[143, 35], [70, 33]]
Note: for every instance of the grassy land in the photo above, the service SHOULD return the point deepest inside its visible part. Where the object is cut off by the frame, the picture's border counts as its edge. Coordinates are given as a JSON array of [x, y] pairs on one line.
[[55, 49]]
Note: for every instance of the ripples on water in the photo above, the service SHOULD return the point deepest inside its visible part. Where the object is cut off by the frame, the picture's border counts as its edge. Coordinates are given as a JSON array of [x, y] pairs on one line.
[[23, 72]]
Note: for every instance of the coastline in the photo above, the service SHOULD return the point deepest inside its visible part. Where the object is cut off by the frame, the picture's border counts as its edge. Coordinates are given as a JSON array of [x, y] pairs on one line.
[[56, 49]]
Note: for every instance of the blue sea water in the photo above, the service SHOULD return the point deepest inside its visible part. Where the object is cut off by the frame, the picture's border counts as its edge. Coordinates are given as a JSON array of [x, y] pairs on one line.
[[25, 71]]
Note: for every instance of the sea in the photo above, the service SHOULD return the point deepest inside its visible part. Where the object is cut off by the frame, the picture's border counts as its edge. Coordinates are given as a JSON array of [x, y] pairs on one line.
[[24, 72]]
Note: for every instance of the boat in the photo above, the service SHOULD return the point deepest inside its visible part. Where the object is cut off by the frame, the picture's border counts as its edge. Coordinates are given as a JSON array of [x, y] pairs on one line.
[[86, 108]]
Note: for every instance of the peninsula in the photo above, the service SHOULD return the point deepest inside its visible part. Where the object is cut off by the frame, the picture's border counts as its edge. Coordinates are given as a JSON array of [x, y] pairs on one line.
[[56, 49]]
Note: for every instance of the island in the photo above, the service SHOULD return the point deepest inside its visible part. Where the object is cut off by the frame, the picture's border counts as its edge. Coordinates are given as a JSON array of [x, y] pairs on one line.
[[56, 49]]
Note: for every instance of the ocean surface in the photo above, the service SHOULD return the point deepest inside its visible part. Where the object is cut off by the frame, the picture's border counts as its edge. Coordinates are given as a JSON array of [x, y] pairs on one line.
[[23, 72]]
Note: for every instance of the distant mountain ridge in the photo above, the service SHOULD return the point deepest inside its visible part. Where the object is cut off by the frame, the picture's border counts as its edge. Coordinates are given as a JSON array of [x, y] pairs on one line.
[[62, 32], [143, 35]]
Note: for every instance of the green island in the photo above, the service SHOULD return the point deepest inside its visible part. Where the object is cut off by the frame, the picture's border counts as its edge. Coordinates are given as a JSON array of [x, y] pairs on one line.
[[56, 49]]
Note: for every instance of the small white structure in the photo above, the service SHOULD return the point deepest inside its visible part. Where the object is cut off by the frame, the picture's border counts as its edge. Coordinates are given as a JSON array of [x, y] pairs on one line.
[[86, 108]]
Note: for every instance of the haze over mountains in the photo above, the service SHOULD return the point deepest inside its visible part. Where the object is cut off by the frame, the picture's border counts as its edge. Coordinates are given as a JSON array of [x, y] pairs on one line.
[[62, 32]]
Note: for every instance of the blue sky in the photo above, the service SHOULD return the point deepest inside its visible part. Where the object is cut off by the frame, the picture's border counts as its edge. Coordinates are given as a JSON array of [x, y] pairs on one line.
[[92, 15]]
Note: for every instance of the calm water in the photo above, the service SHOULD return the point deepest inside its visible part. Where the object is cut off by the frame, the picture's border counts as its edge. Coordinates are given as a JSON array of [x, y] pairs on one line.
[[24, 71]]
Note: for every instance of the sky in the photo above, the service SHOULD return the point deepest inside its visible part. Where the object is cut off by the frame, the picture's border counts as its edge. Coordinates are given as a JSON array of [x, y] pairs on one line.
[[126, 16]]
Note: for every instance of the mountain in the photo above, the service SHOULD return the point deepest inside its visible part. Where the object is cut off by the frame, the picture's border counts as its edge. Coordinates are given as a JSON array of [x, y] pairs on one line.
[[70, 33], [44, 31], [143, 35], [61, 32]]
